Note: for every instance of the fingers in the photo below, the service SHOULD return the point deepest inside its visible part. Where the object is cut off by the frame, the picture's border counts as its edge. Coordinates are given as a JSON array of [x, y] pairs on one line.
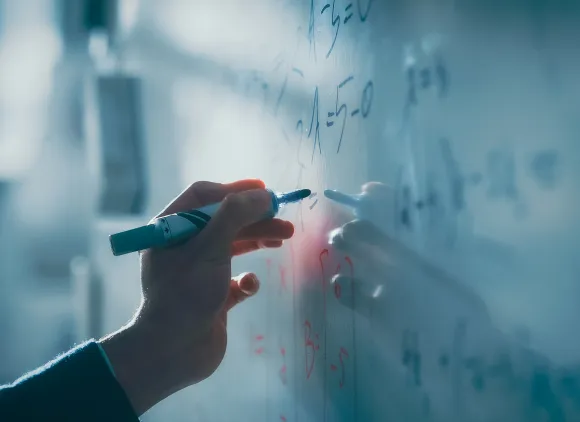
[[347, 288], [359, 232], [204, 193], [237, 211], [246, 246], [264, 234], [363, 242], [242, 287], [376, 188], [267, 229]]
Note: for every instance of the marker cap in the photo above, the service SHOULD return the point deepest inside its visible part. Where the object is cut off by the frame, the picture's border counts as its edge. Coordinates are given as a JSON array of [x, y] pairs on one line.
[[134, 240]]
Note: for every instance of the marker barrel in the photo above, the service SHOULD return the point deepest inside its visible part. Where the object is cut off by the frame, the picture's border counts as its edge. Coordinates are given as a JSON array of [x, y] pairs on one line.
[[172, 229]]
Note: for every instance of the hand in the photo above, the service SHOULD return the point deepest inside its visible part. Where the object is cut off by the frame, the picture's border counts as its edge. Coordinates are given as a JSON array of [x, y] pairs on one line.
[[387, 269], [178, 336], [365, 240]]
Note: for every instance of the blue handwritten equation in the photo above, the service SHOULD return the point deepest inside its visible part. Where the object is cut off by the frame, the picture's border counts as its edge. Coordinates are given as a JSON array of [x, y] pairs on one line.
[[339, 114], [337, 14], [342, 109], [542, 386], [424, 78], [498, 178]]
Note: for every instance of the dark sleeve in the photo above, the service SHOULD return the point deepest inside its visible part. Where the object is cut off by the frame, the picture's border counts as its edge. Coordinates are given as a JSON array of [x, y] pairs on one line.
[[77, 386]]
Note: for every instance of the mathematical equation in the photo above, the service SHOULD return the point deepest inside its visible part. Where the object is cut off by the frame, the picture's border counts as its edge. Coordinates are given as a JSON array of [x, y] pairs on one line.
[[423, 78], [337, 14], [311, 337], [546, 389], [499, 179], [338, 114], [337, 365]]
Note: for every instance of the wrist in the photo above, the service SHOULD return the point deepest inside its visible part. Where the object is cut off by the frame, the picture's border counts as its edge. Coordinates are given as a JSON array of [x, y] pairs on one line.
[[142, 365]]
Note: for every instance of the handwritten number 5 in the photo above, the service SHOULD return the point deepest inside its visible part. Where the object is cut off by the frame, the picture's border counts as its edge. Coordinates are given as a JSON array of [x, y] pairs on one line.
[[340, 109], [335, 22]]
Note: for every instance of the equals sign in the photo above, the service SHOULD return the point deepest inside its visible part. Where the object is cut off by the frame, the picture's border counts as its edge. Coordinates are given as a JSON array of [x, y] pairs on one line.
[[349, 16], [259, 350], [329, 123]]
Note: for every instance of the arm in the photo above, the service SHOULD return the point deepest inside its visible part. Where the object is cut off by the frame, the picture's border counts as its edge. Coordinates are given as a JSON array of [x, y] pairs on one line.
[[78, 385]]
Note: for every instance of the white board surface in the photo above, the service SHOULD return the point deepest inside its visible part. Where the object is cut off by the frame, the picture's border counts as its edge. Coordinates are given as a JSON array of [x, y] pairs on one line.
[[465, 300]]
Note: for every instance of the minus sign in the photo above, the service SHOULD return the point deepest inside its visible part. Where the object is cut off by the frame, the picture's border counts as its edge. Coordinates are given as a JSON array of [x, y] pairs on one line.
[[278, 65], [355, 112], [314, 204]]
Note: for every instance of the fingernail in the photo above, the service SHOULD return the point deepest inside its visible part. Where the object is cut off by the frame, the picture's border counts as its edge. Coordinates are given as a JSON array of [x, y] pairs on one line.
[[249, 284]]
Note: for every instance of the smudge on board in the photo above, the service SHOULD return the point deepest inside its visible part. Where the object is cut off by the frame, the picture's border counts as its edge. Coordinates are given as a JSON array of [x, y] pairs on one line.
[[544, 169], [501, 173]]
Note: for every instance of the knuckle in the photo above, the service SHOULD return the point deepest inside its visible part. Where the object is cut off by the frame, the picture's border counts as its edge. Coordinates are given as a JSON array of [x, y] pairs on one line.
[[233, 202], [349, 230], [199, 185]]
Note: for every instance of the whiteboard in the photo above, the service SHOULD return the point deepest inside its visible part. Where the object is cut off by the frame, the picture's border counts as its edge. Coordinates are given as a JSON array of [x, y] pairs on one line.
[[461, 303]]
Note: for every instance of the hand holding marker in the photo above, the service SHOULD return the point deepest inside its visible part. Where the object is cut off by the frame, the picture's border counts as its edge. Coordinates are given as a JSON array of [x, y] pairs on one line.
[[175, 228]]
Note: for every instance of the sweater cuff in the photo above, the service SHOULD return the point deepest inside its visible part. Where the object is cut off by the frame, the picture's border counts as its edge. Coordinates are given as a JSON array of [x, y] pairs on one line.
[[78, 385], [106, 358]]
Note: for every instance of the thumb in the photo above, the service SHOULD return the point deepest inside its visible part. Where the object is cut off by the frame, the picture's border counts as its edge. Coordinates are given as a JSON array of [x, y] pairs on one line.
[[241, 288], [237, 211]]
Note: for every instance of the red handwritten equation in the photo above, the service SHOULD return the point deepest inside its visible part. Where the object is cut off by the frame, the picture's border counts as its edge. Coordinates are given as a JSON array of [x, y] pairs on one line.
[[335, 361], [284, 369], [310, 344], [259, 339], [341, 355], [312, 338]]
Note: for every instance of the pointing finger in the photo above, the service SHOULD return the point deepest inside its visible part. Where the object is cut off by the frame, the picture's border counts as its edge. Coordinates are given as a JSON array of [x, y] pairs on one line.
[[267, 229], [247, 246]]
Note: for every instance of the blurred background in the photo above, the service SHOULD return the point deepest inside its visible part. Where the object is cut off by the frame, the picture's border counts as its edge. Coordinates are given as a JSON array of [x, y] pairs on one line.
[[52, 54], [84, 108]]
